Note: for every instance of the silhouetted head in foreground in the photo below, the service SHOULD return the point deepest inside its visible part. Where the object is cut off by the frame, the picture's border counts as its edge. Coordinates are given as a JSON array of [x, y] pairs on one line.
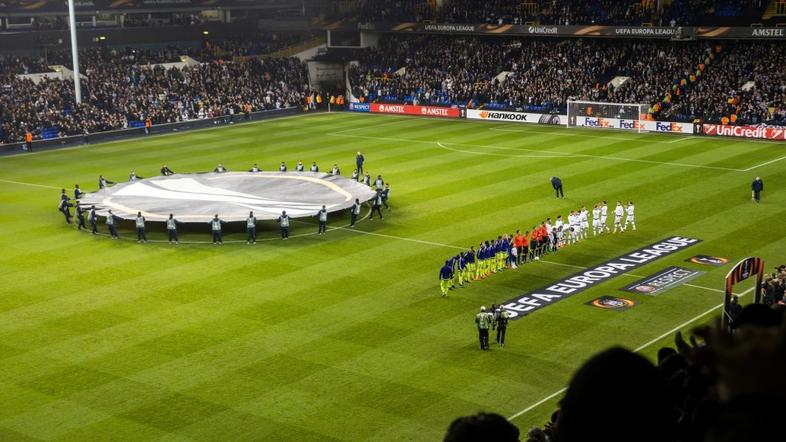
[[616, 396], [481, 427]]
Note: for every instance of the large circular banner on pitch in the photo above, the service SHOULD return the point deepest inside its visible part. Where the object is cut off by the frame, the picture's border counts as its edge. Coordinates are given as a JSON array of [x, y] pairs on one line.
[[231, 195]]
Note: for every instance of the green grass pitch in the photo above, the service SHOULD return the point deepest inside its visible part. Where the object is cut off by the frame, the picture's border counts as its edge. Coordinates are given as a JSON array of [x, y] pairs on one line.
[[344, 336]]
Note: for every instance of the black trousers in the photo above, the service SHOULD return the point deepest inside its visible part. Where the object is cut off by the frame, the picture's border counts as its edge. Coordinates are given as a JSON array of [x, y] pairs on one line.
[[284, 232], [483, 334], [322, 225], [501, 334], [385, 202], [377, 209], [558, 190], [217, 236], [360, 171], [113, 230], [81, 223], [94, 225], [757, 195], [67, 215], [140, 234], [252, 234], [353, 218], [172, 235]]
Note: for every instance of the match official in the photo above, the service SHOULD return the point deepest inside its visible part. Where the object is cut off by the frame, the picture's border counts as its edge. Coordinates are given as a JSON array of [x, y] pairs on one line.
[[757, 187], [483, 321], [556, 183], [501, 317], [359, 160]]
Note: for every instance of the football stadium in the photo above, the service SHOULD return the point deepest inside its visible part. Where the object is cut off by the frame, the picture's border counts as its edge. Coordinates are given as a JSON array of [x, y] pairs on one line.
[[392, 220]]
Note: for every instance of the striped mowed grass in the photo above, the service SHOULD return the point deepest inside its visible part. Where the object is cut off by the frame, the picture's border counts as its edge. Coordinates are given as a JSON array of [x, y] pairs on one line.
[[344, 336]]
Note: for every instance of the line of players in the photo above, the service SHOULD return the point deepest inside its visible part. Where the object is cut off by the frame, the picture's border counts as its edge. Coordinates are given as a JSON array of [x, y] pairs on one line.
[[510, 251]]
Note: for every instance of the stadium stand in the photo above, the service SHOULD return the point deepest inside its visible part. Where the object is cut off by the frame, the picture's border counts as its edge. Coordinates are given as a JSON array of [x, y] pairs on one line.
[[682, 80], [118, 95]]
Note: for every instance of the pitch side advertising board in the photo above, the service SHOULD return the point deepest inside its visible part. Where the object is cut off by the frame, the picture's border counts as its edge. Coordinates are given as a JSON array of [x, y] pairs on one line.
[[516, 117], [760, 132], [359, 107], [409, 109], [645, 126]]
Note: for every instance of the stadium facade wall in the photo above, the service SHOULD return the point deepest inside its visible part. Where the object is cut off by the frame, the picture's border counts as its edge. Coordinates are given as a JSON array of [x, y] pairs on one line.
[[140, 131]]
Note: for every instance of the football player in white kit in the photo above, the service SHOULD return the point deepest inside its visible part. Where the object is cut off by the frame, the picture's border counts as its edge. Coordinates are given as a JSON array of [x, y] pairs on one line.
[[584, 220], [604, 210], [596, 220], [560, 233], [575, 225], [629, 219], [618, 211]]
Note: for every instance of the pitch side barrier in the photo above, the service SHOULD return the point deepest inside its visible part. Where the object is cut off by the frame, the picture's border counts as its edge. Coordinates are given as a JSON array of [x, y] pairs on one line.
[[111, 135], [663, 127]]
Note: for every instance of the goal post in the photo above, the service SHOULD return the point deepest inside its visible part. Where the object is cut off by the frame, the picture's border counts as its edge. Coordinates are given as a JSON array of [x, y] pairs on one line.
[[597, 114]]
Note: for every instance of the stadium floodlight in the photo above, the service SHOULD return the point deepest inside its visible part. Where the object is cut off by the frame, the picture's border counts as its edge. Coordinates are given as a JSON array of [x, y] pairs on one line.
[[596, 114], [74, 52]]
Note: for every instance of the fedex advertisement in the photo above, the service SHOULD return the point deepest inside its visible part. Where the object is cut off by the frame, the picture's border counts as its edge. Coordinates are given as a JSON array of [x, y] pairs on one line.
[[760, 132], [516, 117], [409, 109], [643, 125], [359, 107]]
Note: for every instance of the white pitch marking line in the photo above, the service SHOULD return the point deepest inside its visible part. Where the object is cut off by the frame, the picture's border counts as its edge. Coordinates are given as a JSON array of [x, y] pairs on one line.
[[30, 184], [604, 157], [764, 164], [563, 134], [638, 349], [679, 140]]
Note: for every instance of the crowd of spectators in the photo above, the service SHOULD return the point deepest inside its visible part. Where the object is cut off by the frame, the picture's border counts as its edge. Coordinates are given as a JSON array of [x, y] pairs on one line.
[[537, 75], [121, 95], [682, 80], [720, 385], [745, 84], [566, 12]]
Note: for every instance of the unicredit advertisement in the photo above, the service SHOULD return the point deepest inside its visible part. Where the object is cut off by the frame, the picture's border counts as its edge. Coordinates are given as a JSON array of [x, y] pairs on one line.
[[408, 109], [765, 133], [516, 117]]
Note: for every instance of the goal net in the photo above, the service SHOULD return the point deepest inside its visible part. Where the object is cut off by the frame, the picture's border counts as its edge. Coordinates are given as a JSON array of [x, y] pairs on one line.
[[597, 114]]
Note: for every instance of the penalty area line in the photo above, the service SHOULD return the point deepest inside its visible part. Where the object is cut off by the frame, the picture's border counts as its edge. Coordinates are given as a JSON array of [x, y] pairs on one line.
[[638, 349]]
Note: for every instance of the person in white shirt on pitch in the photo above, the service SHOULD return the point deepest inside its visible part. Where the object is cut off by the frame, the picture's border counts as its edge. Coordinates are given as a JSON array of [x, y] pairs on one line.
[[618, 211], [584, 220], [604, 210], [596, 219], [629, 219]]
